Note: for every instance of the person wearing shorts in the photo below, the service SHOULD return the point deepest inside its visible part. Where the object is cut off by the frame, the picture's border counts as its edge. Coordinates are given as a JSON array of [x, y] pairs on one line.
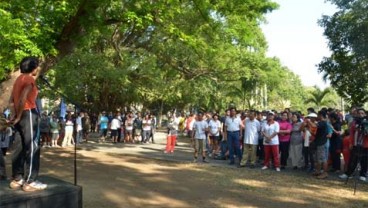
[[214, 133], [200, 127], [322, 149], [129, 128]]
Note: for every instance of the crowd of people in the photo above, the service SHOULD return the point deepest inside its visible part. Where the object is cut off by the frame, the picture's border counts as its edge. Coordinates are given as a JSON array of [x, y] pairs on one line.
[[315, 142]]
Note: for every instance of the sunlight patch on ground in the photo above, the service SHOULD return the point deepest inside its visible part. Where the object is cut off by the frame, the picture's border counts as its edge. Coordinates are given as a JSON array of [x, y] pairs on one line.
[[252, 183]]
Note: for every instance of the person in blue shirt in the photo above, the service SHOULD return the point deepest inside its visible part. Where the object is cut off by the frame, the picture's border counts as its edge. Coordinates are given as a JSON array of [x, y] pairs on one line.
[[103, 122]]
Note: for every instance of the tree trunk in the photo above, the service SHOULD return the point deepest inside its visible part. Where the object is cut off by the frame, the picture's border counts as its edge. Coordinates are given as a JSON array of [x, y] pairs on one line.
[[6, 88], [64, 45]]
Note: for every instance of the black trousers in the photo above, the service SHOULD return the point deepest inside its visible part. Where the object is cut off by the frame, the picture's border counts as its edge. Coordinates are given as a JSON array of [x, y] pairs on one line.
[[335, 151], [260, 149], [358, 153], [284, 150], [308, 157], [119, 134], [26, 155], [2, 165]]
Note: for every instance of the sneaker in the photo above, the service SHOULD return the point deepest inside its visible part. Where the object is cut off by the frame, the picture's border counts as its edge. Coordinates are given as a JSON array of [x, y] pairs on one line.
[[205, 161], [195, 161], [344, 176], [264, 168], [362, 178], [34, 186], [278, 169], [16, 184]]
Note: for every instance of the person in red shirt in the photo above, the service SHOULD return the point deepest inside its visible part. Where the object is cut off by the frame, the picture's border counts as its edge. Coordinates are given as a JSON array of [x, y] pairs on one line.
[[26, 155], [358, 146]]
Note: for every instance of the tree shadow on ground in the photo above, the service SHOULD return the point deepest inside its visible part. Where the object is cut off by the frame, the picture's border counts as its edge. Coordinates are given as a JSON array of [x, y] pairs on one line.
[[113, 180]]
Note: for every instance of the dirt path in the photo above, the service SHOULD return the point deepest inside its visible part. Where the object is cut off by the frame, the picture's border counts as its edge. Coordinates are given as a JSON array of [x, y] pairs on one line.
[[142, 176]]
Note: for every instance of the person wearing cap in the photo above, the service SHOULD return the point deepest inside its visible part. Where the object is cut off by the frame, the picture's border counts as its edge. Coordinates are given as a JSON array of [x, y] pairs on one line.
[[26, 155], [232, 133], [270, 131]]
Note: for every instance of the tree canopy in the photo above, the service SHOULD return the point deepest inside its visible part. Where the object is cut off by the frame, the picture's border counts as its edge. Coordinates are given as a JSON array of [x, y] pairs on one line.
[[347, 33], [157, 54]]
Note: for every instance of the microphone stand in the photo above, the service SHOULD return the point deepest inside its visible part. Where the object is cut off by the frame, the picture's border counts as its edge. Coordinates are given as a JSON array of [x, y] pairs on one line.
[[47, 83]]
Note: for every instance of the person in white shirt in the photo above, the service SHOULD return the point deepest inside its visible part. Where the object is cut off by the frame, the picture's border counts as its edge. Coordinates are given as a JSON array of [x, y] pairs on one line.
[[270, 132], [200, 127], [233, 133], [129, 128], [252, 129], [114, 126], [215, 131], [173, 129], [146, 127], [68, 137], [79, 135]]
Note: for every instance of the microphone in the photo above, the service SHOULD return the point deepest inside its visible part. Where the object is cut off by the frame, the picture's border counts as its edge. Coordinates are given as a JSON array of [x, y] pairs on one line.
[[44, 79]]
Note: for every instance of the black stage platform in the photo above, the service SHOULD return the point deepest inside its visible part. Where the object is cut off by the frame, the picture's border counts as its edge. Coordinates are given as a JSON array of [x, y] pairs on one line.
[[59, 194]]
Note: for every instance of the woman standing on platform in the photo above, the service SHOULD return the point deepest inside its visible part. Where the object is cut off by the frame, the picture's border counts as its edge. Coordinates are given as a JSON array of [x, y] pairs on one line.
[[26, 155]]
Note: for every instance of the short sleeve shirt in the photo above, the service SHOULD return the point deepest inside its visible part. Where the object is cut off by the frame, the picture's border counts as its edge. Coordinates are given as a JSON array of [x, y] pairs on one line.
[[233, 124], [251, 131], [214, 127], [199, 127], [104, 121], [20, 83], [270, 129]]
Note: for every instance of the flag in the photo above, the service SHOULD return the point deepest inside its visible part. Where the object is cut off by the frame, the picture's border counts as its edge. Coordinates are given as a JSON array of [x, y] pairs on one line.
[[62, 109]]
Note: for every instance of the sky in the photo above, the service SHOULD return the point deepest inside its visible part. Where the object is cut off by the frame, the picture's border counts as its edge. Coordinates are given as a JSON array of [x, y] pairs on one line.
[[294, 36]]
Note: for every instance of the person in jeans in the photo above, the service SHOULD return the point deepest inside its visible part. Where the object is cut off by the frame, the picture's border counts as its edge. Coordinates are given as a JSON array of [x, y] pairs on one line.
[[146, 128], [26, 154], [232, 133]]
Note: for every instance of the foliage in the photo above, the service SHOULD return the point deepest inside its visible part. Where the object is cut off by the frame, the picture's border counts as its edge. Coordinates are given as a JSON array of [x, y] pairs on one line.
[[321, 98], [347, 67], [161, 55]]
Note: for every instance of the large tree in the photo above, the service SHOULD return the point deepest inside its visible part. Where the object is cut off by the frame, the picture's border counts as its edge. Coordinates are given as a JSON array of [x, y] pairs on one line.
[[132, 44], [347, 67]]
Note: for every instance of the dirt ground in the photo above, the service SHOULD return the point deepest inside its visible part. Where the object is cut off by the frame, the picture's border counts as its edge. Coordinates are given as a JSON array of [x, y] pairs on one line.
[[132, 176], [115, 180]]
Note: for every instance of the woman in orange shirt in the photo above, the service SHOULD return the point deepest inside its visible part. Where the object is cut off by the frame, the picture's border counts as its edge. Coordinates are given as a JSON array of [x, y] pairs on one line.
[[26, 155]]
